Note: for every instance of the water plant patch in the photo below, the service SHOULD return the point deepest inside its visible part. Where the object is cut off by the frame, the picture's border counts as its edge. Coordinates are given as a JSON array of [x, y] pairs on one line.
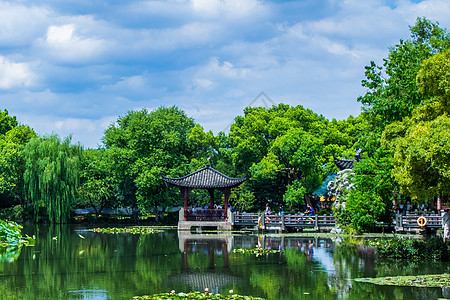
[[132, 230], [256, 251], [194, 295], [423, 281]]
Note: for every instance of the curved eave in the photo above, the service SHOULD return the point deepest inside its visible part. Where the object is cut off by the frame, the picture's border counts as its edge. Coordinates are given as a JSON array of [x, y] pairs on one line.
[[182, 182], [343, 164], [205, 178]]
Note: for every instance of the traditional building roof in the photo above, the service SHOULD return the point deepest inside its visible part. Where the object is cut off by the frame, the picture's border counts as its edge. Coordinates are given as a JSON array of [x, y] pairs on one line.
[[343, 164], [205, 178]]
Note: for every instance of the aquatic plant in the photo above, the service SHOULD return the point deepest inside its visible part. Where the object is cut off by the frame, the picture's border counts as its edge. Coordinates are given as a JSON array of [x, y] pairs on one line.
[[415, 249], [11, 240], [132, 230], [194, 295], [440, 280], [257, 251]]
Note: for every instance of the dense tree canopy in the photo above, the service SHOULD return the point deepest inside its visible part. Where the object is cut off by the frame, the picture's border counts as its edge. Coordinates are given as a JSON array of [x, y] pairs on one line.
[[51, 177], [287, 150], [145, 145], [422, 142]]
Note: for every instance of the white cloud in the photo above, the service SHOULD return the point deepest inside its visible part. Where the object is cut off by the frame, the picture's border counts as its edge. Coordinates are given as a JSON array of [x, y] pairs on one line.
[[19, 25], [233, 9], [13, 75], [65, 44]]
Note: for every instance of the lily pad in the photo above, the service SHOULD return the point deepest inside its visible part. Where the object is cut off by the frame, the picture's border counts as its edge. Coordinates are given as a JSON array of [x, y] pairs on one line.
[[431, 281], [193, 295], [132, 230], [256, 251]]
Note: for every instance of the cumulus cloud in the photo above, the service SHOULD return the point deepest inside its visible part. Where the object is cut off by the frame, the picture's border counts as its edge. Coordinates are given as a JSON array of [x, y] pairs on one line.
[[14, 75], [233, 9], [65, 44], [19, 24]]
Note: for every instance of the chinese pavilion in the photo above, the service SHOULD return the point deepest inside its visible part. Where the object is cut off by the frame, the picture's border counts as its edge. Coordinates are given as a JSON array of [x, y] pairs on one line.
[[209, 179]]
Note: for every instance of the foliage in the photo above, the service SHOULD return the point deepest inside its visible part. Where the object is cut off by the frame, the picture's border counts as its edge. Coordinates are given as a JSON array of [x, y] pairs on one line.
[[11, 240], [432, 248], [97, 181], [282, 145], [146, 144], [12, 164], [52, 169], [369, 201], [242, 198], [10, 234], [421, 281], [294, 194], [193, 295], [6, 122], [421, 142], [395, 96]]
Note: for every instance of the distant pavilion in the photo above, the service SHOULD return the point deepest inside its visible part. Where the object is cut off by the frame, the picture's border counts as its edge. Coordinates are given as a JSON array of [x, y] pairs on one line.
[[344, 164], [208, 179]]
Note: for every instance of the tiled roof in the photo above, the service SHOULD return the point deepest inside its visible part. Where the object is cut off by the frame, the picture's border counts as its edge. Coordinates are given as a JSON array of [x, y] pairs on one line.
[[205, 178], [343, 164]]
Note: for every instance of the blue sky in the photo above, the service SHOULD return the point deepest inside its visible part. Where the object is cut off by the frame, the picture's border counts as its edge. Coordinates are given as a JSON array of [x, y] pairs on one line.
[[74, 66]]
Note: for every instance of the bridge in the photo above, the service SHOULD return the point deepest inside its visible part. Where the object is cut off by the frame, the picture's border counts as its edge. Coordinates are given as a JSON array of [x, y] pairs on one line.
[[217, 219], [298, 222], [282, 222]]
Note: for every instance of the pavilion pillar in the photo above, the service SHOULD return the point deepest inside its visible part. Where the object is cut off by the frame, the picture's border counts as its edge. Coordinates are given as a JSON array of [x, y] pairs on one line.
[[184, 193], [226, 196], [211, 198]]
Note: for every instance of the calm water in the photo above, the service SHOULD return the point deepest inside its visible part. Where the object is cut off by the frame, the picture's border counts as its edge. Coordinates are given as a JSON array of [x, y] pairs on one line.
[[63, 265]]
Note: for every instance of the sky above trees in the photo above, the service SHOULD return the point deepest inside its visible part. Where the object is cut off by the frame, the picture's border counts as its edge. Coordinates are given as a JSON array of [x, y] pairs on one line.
[[73, 67]]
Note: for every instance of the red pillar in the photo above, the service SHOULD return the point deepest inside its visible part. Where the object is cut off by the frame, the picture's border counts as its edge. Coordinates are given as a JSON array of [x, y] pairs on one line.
[[184, 194], [211, 198], [226, 194]]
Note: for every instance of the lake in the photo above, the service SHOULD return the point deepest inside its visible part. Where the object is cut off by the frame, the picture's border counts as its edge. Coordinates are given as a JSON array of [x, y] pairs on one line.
[[69, 262]]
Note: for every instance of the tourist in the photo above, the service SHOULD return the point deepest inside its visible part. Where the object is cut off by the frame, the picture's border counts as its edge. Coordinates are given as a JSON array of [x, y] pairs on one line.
[[268, 212], [309, 210], [446, 224]]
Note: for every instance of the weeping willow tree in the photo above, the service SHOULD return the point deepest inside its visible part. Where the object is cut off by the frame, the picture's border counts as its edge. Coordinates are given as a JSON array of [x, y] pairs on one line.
[[52, 172]]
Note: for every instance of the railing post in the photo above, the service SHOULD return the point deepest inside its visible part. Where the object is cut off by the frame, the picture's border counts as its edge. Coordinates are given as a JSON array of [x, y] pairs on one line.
[[316, 222], [282, 223], [263, 221], [233, 217], [181, 215]]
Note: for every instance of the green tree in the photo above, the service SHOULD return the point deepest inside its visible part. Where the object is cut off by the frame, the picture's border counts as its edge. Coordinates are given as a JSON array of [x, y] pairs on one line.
[[283, 144], [97, 180], [6, 122], [421, 142], [392, 92], [52, 170], [12, 164], [146, 144]]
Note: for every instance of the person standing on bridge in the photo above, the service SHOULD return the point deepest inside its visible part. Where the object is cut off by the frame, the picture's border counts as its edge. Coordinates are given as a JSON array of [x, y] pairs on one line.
[[446, 224]]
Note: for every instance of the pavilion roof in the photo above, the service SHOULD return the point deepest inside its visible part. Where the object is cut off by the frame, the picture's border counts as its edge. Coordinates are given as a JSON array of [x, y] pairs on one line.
[[343, 164], [205, 178]]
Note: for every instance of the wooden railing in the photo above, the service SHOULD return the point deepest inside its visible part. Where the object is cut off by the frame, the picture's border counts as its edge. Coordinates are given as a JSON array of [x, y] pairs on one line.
[[410, 221], [293, 220], [215, 215]]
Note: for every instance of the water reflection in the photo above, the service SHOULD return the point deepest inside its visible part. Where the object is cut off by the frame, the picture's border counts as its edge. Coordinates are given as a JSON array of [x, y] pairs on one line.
[[63, 265]]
